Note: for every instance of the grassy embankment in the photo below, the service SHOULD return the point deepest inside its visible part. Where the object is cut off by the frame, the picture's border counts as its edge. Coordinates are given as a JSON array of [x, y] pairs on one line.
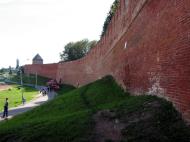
[[70, 117], [15, 95]]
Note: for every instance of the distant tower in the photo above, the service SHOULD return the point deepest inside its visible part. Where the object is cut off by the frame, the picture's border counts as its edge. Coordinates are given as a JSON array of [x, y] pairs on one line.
[[37, 59], [17, 63]]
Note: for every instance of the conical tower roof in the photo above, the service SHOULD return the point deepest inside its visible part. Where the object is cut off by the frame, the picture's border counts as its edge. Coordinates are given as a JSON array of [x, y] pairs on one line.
[[37, 57]]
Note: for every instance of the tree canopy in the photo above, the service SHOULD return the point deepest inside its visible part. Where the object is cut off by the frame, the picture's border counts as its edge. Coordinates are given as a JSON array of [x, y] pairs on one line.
[[10, 70], [109, 16], [76, 50]]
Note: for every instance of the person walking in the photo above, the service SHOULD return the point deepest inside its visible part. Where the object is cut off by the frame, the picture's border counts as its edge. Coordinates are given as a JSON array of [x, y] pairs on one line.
[[23, 100], [5, 113]]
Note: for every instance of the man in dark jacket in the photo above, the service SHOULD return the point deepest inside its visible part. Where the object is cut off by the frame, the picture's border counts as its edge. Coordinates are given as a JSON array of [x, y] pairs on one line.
[[5, 113]]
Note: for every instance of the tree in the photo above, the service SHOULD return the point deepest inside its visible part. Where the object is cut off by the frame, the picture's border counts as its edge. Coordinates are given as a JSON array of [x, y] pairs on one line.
[[76, 50], [2, 70], [92, 44], [20, 70], [109, 16], [10, 70]]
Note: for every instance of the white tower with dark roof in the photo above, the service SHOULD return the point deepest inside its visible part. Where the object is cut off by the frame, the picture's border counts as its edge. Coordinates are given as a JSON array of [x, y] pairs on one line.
[[37, 59]]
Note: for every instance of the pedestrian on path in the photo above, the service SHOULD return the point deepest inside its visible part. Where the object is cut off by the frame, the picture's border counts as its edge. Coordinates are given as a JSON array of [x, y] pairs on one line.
[[6, 105], [23, 100]]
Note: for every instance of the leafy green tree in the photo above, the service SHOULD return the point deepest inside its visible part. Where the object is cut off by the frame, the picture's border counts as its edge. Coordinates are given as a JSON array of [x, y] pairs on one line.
[[76, 50], [109, 16], [20, 70], [10, 70], [92, 44], [2, 70]]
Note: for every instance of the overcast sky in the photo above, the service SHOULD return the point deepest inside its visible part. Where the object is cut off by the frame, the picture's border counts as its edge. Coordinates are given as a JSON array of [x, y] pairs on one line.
[[28, 27]]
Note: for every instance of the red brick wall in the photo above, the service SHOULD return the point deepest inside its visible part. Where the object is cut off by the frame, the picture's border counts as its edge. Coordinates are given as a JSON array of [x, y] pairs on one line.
[[156, 59], [46, 70]]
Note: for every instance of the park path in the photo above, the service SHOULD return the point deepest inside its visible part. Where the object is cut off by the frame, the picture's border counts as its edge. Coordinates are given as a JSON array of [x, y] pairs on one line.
[[40, 99]]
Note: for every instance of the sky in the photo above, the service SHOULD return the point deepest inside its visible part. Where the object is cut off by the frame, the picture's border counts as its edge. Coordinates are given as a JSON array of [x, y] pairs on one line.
[[28, 27]]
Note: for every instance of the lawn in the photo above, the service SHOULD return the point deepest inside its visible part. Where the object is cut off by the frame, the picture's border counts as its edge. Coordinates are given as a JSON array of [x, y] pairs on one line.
[[15, 95], [72, 117]]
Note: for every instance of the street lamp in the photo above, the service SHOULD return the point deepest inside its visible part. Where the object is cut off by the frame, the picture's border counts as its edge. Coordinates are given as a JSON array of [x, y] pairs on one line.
[[21, 82], [36, 79]]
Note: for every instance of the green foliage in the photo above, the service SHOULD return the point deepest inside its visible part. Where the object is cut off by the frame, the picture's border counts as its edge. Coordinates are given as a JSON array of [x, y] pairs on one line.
[[69, 117], [19, 70], [2, 70], [109, 16], [10, 70], [76, 50], [30, 79]]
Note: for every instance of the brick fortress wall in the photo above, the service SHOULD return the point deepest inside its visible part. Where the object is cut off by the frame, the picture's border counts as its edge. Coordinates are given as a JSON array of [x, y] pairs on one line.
[[46, 70], [146, 49]]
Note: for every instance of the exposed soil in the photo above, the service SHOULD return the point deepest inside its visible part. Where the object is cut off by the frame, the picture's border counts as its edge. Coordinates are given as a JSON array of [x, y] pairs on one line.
[[4, 86], [142, 125], [108, 127]]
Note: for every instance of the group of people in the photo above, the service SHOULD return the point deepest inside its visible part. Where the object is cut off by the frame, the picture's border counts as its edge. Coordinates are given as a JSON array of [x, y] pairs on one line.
[[44, 91]]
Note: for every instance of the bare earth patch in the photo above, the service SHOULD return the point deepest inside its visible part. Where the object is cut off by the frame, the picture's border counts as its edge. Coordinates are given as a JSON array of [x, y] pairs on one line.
[[4, 86], [145, 123], [108, 127]]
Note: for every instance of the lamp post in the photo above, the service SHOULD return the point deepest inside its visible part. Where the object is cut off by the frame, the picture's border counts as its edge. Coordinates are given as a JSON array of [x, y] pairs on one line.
[[23, 99], [21, 82], [36, 80]]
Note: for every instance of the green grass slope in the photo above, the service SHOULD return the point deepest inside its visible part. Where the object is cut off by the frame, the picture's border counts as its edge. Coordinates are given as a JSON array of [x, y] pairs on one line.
[[70, 117]]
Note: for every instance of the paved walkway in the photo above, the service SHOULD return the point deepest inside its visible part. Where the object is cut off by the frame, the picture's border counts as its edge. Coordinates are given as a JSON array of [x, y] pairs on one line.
[[30, 105]]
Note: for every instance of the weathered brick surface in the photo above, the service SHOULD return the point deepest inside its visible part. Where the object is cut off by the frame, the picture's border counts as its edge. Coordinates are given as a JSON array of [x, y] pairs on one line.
[[46, 70], [146, 49]]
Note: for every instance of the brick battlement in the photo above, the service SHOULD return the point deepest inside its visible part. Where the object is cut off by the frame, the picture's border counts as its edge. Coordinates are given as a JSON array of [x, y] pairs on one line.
[[146, 49]]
